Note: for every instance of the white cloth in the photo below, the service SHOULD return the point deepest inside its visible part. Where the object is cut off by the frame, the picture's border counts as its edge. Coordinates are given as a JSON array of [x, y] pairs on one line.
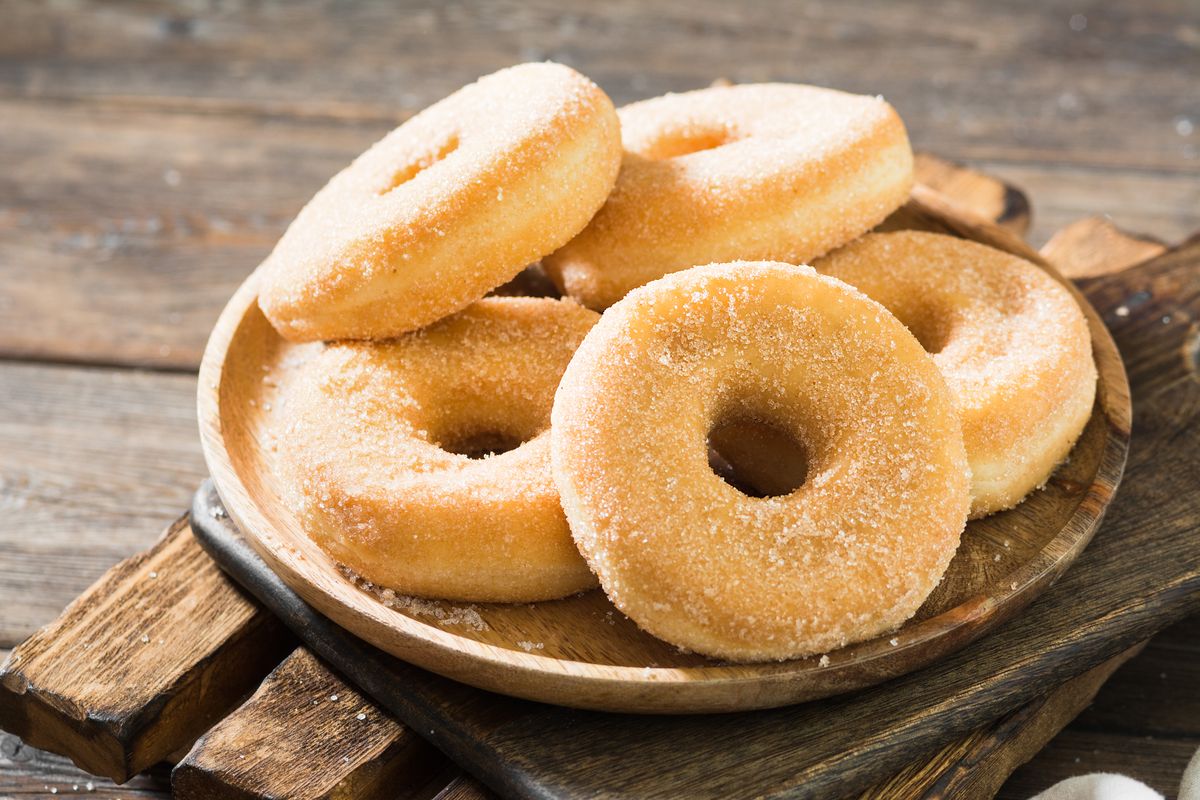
[[1099, 786], [1106, 786]]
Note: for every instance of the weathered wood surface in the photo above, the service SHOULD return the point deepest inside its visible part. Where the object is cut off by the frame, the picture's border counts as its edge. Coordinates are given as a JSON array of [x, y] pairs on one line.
[[1093, 246], [307, 734], [104, 190], [26, 772], [160, 648], [1140, 574], [978, 764], [1143, 723], [154, 154], [93, 464]]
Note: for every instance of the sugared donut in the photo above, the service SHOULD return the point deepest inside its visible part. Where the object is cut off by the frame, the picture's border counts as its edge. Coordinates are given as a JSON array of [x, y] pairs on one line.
[[372, 456], [851, 553], [772, 171], [1012, 343], [448, 206]]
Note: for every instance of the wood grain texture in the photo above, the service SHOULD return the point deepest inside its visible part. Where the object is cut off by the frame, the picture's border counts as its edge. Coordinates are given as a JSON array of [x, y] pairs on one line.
[[111, 683], [1019, 80], [154, 154], [1140, 574], [1094, 246], [1086, 120], [976, 192], [189, 203], [307, 734], [580, 651], [977, 765], [1145, 722], [93, 464], [26, 772]]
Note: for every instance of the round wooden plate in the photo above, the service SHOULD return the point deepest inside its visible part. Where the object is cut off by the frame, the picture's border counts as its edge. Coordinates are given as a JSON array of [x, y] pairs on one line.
[[581, 651]]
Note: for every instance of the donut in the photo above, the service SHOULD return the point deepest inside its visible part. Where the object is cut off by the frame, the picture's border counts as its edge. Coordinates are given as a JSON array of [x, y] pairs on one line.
[[375, 456], [848, 554], [760, 171], [1009, 338], [453, 203]]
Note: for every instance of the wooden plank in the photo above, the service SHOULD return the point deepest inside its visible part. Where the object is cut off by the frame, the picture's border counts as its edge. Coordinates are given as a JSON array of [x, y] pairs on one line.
[[978, 764], [142, 663], [28, 772], [1148, 697], [1153, 695], [306, 733], [1093, 246], [981, 194], [1145, 722], [93, 464], [1021, 79], [110, 209]]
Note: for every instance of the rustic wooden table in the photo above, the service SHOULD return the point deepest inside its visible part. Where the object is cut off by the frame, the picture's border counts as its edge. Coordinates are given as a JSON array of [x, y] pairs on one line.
[[153, 153]]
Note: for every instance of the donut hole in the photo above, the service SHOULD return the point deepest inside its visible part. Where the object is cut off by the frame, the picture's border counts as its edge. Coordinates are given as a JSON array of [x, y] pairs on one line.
[[415, 168], [675, 144], [477, 444], [930, 326], [757, 457]]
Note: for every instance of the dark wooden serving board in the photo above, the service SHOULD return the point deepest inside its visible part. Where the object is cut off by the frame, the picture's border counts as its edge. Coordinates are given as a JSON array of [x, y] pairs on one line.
[[1140, 574]]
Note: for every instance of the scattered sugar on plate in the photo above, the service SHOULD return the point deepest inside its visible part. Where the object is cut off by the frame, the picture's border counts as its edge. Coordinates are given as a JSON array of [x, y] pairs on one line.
[[442, 613]]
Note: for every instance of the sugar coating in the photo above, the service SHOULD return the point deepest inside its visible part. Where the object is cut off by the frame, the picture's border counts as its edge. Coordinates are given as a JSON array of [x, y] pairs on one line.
[[1010, 340], [849, 554], [448, 206], [362, 462], [442, 613], [762, 171]]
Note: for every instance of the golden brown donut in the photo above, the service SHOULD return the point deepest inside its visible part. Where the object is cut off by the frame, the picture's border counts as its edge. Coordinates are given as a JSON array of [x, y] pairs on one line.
[[448, 206], [364, 461], [773, 171], [849, 554], [1011, 341]]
